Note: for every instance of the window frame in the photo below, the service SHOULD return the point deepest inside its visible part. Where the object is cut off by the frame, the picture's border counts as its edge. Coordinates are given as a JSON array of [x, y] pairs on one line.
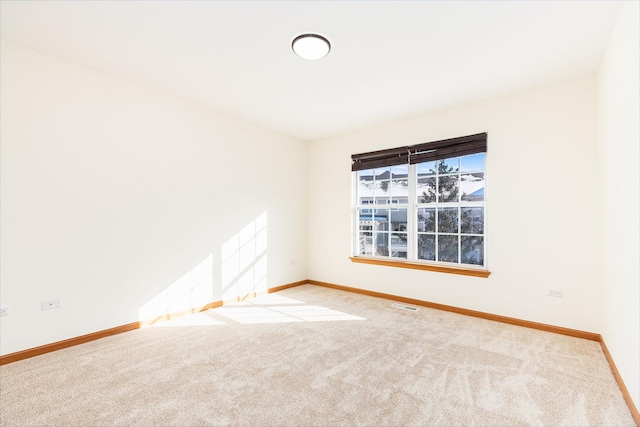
[[413, 206]]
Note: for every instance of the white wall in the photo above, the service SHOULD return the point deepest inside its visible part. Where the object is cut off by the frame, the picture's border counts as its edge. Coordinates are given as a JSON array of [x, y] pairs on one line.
[[543, 207], [619, 112], [122, 202]]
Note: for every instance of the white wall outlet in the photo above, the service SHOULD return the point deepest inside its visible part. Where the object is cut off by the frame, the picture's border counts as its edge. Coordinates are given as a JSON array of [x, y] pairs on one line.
[[554, 293], [48, 305], [5, 311]]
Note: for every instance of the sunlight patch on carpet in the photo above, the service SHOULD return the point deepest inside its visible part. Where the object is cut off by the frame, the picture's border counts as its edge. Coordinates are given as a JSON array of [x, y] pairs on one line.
[[280, 314]]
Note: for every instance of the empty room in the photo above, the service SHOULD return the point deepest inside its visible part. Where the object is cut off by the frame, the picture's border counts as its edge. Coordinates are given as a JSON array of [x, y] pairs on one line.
[[319, 213]]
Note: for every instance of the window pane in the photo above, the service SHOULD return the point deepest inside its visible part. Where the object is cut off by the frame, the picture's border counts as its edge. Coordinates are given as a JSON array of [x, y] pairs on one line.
[[400, 190], [366, 225], [399, 245], [381, 220], [448, 248], [381, 188], [366, 175], [447, 220], [427, 219], [472, 187], [398, 219], [365, 200], [365, 184], [427, 247], [472, 250], [365, 218], [426, 168], [448, 165], [382, 173], [400, 171], [472, 163], [448, 188], [381, 244], [365, 243], [426, 190], [472, 221]]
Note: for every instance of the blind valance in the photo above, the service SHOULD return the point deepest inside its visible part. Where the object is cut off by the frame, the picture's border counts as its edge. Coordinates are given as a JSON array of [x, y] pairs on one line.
[[454, 147], [428, 151], [378, 159]]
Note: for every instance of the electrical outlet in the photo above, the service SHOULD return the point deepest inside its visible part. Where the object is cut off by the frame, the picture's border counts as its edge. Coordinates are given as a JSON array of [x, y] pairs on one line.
[[48, 305], [5, 311], [554, 293]]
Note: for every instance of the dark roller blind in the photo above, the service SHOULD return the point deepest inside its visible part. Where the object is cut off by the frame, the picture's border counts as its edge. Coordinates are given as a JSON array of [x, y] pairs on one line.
[[428, 151], [454, 147], [377, 159]]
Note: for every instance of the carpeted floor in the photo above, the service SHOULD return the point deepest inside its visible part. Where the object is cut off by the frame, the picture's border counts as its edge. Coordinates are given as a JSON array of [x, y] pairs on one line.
[[312, 356]]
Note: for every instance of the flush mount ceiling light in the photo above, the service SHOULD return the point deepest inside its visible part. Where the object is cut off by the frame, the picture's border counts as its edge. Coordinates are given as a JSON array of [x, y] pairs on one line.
[[311, 46]]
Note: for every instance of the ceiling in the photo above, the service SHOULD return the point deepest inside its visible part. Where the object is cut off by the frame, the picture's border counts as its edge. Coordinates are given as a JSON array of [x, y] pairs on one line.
[[389, 59]]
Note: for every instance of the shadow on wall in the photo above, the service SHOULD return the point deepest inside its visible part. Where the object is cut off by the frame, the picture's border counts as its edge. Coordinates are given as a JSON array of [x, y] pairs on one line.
[[243, 274]]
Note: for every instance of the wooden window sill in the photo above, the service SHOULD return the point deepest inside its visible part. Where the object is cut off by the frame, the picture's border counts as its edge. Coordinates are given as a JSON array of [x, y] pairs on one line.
[[423, 266]]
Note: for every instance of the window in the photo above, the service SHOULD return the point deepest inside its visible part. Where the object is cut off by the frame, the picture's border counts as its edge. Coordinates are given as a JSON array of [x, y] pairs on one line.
[[423, 203]]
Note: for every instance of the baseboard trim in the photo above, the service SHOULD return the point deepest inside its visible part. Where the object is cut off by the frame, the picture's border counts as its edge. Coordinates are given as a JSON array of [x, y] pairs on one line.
[[290, 285], [181, 313], [48, 348], [623, 388], [504, 319], [59, 345]]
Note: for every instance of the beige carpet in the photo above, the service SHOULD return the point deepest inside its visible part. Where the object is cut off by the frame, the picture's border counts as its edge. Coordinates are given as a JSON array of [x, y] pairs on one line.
[[312, 356]]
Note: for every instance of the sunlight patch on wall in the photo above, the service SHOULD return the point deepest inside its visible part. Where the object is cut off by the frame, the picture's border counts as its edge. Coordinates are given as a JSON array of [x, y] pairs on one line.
[[244, 261], [191, 291]]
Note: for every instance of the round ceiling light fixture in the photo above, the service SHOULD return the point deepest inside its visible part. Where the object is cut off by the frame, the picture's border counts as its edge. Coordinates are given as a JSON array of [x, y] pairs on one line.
[[311, 46]]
